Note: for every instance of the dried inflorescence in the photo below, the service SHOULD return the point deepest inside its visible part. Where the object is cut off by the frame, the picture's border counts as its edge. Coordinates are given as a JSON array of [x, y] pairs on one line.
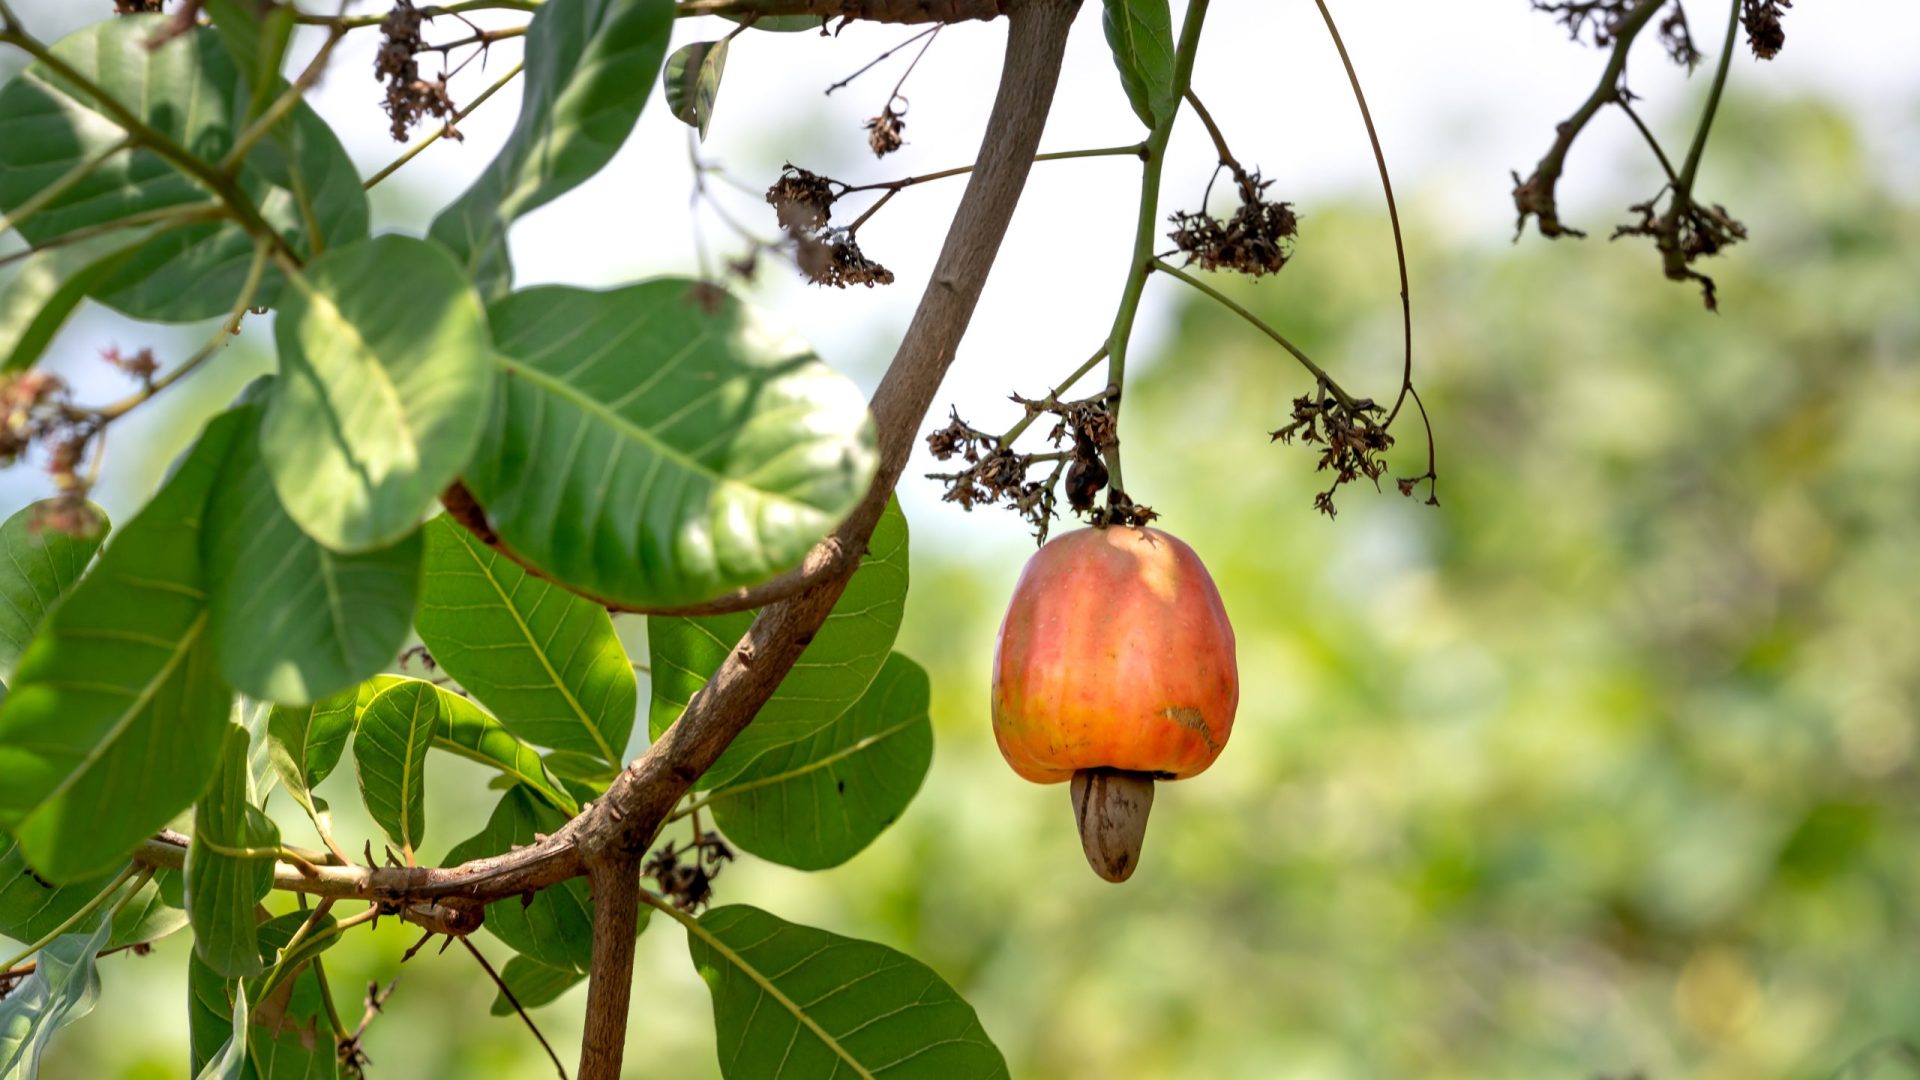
[[1687, 231], [1257, 239], [1677, 38], [409, 97], [137, 7], [1762, 18], [803, 203], [883, 131], [35, 410], [685, 874], [1597, 21], [1349, 435]]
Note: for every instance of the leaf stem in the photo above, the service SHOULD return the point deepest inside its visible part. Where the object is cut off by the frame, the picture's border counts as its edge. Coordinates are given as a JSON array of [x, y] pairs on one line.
[[165, 217], [78, 917], [1142, 259], [278, 110], [1683, 187], [67, 182], [414, 150]]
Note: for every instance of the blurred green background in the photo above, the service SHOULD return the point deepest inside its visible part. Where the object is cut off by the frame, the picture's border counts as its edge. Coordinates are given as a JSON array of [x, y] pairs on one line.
[[1606, 766]]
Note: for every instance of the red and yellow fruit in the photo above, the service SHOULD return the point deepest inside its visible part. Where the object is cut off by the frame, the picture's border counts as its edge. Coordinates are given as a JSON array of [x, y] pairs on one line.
[[1115, 668]]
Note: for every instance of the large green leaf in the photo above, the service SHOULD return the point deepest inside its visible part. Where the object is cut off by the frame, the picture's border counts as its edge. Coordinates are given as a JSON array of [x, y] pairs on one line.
[[63, 988], [657, 446], [383, 389], [591, 66], [830, 676], [533, 984], [229, 867], [390, 754], [692, 82], [192, 92], [545, 661], [791, 1002], [49, 285], [556, 927], [305, 742], [42, 564], [292, 620], [1140, 32], [817, 802], [114, 720]]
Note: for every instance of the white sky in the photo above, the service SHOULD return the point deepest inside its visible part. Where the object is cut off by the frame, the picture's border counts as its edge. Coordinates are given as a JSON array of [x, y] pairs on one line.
[[1462, 93]]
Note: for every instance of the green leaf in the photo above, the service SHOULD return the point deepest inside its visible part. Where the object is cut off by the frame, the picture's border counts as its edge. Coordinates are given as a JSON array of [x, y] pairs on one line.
[[556, 928], [230, 1063], [285, 1033], [31, 909], [830, 676], [1140, 32], [591, 66], [293, 621], [568, 765], [35, 302], [209, 1013], [467, 730], [63, 988], [780, 24], [390, 753], [257, 40], [533, 984], [115, 717], [692, 82], [817, 802], [155, 911], [545, 661], [792, 1002], [383, 389], [192, 92], [656, 446], [41, 565], [306, 742], [227, 874]]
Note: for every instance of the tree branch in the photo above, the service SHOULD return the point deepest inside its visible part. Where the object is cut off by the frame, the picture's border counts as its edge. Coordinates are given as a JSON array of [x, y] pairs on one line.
[[616, 907]]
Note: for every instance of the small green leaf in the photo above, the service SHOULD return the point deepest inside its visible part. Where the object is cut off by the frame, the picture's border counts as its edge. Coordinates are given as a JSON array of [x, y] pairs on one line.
[[35, 302], [41, 565], [230, 1063], [533, 984], [1140, 32], [63, 988], [591, 65], [154, 912], [830, 676], [556, 928], [817, 802], [467, 730], [209, 1013], [390, 753], [293, 621], [692, 82], [656, 445], [792, 1001], [568, 765], [780, 24], [306, 742], [229, 867], [115, 717], [543, 660], [383, 389], [31, 909]]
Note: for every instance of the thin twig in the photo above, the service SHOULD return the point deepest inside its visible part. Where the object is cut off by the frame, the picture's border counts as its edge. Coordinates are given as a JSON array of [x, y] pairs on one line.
[[67, 182], [875, 62], [1652, 143], [281, 106], [1230, 304], [1053, 398], [507, 992], [413, 151], [77, 917]]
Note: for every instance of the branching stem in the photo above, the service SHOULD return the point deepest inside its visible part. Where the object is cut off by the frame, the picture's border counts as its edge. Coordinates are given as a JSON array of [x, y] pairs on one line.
[[414, 151], [1230, 304], [78, 917]]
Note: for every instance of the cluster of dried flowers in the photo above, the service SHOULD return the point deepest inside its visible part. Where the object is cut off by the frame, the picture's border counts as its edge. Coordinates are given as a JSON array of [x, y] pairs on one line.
[[1349, 435], [685, 874], [1257, 239], [409, 97], [802, 201]]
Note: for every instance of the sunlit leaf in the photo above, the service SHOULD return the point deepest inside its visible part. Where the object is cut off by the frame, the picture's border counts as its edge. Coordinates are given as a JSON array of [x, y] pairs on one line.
[[590, 68], [306, 741], [156, 910], [293, 621], [655, 445], [383, 390], [114, 720], [41, 565], [467, 730], [390, 754], [1140, 33], [793, 1002], [830, 676], [63, 988], [692, 82], [546, 662], [229, 867], [817, 802], [533, 984]]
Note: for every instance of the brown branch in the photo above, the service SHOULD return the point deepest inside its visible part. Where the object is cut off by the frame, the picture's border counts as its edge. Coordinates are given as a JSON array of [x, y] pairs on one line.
[[890, 11], [616, 907]]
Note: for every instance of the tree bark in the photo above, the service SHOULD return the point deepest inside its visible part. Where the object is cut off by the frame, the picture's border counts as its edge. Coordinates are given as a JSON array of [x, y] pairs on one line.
[[616, 906]]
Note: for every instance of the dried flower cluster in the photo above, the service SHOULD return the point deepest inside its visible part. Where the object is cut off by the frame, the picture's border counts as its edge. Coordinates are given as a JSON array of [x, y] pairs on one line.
[[137, 7], [1687, 231], [1598, 22], [803, 203], [36, 411], [883, 131], [1257, 239], [685, 874], [409, 97], [1350, 438], [1762, 20]]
